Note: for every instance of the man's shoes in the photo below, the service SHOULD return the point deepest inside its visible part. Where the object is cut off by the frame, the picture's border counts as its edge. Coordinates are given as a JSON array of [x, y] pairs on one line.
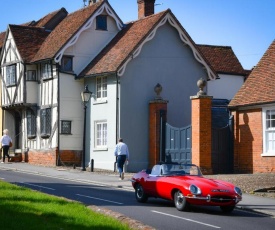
[[122, 176], [2, 162]]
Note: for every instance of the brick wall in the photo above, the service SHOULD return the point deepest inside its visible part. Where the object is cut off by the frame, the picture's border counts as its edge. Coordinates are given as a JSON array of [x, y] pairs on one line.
[[41, 157], [248, 143], [49, 157], [202, 132], [154, 129]]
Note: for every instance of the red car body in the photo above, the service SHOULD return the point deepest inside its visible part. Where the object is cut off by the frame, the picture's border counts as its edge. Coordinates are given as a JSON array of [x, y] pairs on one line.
[[185, 185]]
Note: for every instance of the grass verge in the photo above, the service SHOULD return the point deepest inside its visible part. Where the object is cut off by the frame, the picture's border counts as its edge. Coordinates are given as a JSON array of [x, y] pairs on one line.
[[22, 208]]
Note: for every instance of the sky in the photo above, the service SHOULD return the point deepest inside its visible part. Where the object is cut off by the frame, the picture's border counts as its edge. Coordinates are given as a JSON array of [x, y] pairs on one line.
[[248, 26]]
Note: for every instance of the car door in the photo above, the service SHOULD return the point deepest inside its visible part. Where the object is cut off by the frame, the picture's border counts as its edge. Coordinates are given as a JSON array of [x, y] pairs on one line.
[[150, 184]]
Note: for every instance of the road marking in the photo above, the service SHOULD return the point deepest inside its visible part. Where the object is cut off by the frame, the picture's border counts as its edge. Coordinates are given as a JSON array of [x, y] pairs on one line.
[[209, 225], [38, 186], [95, 198]]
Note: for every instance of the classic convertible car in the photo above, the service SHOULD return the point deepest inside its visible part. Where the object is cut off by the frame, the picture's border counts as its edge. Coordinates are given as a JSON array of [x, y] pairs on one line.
[[185, 185]]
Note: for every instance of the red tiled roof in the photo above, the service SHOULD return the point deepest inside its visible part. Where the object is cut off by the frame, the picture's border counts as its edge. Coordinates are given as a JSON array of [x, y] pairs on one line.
[[259, 88], [28, 40], [222, 59], [112, 57], [64, 31], [40, 23], [46, 19]]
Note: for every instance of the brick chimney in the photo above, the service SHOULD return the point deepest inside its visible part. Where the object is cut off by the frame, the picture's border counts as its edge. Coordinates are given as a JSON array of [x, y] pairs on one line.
[[145, 8]]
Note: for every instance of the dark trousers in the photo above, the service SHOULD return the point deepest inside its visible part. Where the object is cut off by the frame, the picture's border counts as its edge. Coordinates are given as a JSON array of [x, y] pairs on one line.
[[5, 149], [120, 162]]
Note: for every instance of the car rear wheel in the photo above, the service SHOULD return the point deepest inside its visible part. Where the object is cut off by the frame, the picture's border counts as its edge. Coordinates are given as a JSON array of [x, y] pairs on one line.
[[140, 194], [227, 209], [180, 201]]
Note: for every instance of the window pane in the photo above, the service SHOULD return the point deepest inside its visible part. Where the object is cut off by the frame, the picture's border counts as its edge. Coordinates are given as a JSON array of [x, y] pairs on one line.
[[67, 63], [45, 122], [101, 22], [101, 134], [270, 141], [31, 124], [98, 87], [46, 70], [101, 87], [66, 127], [31, 75], [104, 87], [270, 119], [11, 75]]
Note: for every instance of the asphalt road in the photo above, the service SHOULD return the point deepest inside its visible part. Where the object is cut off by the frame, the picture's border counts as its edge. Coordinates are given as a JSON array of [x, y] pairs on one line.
[[159, 214]]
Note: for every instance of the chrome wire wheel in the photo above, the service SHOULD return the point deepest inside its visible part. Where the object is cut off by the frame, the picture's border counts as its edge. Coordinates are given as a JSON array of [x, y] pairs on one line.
[[180, 201], [140, 194]]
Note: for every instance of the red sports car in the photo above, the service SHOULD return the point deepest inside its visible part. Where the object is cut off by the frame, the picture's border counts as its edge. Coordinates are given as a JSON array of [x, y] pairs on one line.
[[184, 184]]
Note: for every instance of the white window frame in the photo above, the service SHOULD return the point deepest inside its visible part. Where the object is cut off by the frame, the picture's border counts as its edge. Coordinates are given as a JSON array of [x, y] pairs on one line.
[[268, 131], [101, 129], [101, 88]]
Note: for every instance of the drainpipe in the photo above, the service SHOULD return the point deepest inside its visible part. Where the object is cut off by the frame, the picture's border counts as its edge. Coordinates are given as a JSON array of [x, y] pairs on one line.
[[24, 125], [117, 113], [117, 104], [58, 114]]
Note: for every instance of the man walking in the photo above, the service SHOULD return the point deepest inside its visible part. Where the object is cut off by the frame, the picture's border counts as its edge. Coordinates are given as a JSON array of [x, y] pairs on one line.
[[122, 154]]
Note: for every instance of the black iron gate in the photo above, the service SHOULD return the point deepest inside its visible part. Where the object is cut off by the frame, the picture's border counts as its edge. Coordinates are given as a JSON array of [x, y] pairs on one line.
[[177, 144], [222, 149]]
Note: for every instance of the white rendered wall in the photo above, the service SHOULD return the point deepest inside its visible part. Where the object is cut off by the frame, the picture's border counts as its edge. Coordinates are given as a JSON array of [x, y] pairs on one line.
[[226, 87]]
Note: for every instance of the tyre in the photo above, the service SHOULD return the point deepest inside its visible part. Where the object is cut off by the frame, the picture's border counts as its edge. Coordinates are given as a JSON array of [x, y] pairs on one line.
[[140, 194], [227, 209], [180, 202]]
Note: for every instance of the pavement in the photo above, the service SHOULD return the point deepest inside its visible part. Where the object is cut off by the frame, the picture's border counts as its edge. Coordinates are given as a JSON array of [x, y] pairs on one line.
[[250, 202]]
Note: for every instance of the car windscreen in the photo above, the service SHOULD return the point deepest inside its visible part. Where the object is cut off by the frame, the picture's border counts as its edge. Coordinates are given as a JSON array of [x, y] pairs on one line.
[[181, 169]]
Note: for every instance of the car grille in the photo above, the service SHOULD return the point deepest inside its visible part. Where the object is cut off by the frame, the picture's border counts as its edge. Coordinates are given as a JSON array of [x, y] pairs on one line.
[[221, 199]]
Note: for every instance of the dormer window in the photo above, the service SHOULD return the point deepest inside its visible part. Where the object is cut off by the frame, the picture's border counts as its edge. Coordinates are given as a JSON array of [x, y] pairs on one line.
[[101, 22], [67, 63], [11, 75]]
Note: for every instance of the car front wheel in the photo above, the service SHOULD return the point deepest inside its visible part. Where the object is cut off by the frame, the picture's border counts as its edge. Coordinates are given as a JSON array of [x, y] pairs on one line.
[[227, 209], [180, 201], [140, 194]]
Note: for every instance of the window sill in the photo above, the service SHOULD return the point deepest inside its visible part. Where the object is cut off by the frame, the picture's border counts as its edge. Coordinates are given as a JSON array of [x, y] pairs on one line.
[[268, 154], [11, 85], [47, 79], [44, 136], [97, 102], [100, 149]]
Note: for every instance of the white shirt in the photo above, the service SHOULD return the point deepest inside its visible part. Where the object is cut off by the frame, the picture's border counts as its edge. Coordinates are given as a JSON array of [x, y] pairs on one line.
[[5, 140], [121, 149]]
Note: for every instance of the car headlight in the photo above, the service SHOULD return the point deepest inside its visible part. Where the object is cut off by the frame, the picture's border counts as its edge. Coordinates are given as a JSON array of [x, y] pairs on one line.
[[194, 189], [238, 191]]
